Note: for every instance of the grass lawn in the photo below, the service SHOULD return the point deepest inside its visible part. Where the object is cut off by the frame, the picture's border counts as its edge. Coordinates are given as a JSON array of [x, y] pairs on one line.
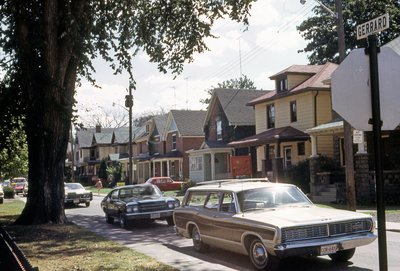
[[69, 247]]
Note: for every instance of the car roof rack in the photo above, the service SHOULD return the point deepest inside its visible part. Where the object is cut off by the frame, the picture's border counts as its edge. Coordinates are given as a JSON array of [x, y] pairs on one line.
[[244, 180]]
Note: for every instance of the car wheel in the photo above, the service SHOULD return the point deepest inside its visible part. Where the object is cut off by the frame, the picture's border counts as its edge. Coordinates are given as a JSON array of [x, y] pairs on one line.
[[170, 221], [197, 243], [260, 258], [109, 219], [123, 223], [342, 255], [87, 204]]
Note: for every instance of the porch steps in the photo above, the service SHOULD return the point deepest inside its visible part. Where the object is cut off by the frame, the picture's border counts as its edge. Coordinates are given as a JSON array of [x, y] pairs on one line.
[[326, 195]]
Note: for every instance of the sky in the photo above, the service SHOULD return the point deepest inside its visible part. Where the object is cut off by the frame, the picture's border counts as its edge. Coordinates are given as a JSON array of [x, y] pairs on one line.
[[269, 45]]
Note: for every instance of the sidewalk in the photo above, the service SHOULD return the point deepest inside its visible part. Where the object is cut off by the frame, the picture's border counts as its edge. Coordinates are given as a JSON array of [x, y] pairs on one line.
[[392, 226]]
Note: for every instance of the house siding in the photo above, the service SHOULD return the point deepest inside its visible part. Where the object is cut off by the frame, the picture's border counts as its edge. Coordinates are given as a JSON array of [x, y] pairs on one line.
[[296, 79]]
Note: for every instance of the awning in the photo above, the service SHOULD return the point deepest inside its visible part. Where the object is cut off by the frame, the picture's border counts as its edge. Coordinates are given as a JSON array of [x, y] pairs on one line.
[[274, 135]]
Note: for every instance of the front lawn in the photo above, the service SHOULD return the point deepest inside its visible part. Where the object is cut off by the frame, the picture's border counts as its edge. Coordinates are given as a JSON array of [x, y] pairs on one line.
[[69, 247]]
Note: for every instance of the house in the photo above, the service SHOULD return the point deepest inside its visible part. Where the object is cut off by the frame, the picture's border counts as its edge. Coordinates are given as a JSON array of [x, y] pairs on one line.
[[91, 146], [183, 131], [147, 142], [300, 101], [227, 119]]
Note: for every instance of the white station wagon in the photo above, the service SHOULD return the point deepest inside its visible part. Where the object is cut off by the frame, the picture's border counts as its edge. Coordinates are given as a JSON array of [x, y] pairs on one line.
[[268, 221]]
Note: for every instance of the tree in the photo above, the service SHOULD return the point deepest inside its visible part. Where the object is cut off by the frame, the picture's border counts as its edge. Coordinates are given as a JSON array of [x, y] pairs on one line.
[[243, 82], [103, 170], [14, 159], [48, 45], [320, 30]]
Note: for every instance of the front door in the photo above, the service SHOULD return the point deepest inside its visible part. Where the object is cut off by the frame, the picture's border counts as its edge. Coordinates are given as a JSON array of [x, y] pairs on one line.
[[288, 156]]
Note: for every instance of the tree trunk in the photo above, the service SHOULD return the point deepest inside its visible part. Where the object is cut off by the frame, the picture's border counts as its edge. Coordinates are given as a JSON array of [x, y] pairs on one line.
[[49, 72]]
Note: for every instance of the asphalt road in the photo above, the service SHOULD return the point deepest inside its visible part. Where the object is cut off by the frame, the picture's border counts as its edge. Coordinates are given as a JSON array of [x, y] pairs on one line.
[[159, 241]]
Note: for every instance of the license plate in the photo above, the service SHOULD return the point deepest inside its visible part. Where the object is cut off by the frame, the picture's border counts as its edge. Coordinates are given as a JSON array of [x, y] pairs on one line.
[[154, 216], [76, 200], [328, 249]]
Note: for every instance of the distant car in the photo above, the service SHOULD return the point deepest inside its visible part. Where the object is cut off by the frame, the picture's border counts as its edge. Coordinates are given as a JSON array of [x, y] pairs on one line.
[[16, 180], [268, 222], [138, 202], [21, 187], [165, 183], [75, 193], [1, 194]]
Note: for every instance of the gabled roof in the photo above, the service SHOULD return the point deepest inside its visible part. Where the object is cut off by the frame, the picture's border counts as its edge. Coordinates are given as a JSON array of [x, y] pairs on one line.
[[297, 69], [159, 124], [319, 75], [233, 103], [187, 122], [104, 137], [282, 134], [84, 137]]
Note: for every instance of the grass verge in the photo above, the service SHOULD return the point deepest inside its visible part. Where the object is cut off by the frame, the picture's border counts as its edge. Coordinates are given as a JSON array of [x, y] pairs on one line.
[[69, 247]]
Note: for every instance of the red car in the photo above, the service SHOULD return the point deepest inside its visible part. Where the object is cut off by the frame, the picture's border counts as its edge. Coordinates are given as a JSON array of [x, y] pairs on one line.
[[165, 183]]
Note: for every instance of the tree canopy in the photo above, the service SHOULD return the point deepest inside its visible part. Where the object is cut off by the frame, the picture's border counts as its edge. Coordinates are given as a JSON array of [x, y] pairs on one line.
[[48, 45], [320, 30], [243, 82]]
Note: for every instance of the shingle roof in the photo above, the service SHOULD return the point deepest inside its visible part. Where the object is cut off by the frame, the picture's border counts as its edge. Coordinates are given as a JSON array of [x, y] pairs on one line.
[[233, 102], [84, 137], [316, 81], [297, 69], [159, 122], [189, 122]]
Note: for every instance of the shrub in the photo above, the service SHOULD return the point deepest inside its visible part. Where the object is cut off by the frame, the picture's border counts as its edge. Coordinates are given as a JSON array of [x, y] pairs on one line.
[[8, 192], [299, 175], [186, 186]]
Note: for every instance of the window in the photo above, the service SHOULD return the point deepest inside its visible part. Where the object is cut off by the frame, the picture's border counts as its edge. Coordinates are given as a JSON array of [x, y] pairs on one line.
[[270, 116], [212, 202], [196, 163], [219, 130], [174, 142], [196, 199], [282, 84], [293, 111], [301, 148]]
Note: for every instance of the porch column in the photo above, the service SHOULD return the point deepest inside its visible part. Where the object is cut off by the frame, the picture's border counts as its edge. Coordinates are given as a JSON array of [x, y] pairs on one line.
[[212, 166], [154, 168], [162, 168], [313, 146], [150, 168], [180, 162], [168, 168]]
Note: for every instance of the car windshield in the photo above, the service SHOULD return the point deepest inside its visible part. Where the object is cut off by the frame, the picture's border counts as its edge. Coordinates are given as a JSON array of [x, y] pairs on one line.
[[73, 186], [20, 184], [271, 197], [139, 191]]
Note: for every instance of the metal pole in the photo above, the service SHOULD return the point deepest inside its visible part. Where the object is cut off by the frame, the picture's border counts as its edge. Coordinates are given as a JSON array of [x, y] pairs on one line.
[[376, 124]]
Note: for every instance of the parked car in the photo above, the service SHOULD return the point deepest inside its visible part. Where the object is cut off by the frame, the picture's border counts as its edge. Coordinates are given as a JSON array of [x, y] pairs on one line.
[[75, 193], [1, 194], [268, 222], [21, 187], [138, 202], [165, 183]]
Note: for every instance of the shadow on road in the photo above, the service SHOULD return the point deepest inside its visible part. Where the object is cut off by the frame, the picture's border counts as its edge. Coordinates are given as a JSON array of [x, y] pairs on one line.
[[158, 238]]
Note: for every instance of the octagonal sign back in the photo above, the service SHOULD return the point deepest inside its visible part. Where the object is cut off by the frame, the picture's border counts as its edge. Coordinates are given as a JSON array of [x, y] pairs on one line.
[[351, 89]]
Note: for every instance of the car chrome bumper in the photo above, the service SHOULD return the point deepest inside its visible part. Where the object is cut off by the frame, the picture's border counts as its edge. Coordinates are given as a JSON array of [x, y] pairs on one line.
[[150, 215], [312, 247]]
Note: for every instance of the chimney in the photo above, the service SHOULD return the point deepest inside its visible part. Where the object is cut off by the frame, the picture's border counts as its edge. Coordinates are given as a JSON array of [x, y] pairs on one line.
[[98, 128]]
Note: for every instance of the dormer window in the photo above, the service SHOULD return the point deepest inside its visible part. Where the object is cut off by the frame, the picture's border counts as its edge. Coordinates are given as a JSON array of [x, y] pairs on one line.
[[282, 84], [147, 128]]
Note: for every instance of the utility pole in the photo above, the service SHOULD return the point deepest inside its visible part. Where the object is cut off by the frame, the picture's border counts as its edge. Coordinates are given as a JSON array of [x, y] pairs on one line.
[[347, 129], [129, 104]]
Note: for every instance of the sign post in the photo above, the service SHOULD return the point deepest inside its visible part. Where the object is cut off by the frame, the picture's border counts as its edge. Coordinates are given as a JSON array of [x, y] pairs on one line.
[[369, 29]]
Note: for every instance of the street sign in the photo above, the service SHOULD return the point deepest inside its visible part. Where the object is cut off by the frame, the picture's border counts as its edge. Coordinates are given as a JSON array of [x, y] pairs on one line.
[[358, 137], [351, 90], [373, 26]]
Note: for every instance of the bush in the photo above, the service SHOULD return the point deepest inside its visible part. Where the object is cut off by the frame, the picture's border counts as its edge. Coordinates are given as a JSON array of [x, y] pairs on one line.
[[186, 186], [8, 192], [299, 175]]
